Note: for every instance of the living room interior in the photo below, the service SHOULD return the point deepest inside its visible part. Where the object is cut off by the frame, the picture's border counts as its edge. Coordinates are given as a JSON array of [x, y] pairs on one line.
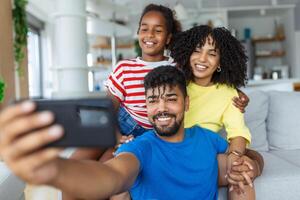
[[73, 45]]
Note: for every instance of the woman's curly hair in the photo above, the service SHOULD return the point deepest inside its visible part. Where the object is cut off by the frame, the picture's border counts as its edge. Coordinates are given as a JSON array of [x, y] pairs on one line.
[[233, 60]]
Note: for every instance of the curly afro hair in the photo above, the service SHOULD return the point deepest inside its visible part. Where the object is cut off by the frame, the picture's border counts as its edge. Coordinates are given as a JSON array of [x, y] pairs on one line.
[[233, 59], [173, 25]]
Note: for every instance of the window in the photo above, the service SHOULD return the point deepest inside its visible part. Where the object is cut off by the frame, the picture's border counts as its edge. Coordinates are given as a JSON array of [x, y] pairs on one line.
[[34, 57]]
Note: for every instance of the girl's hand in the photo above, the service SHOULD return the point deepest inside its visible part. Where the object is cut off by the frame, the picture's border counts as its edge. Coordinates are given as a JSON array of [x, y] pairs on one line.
[[241, 102], [124, 139]]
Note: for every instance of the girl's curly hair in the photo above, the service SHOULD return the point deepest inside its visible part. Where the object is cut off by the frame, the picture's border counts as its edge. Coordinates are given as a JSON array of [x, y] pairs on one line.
[[233, 60], [173, 25]]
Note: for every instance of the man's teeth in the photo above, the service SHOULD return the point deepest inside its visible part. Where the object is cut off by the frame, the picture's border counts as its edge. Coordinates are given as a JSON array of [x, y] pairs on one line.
[[201, 67], [163, 118]]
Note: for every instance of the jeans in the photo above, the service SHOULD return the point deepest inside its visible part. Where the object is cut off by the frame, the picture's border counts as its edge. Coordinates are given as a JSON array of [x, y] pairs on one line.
[[127, 125]]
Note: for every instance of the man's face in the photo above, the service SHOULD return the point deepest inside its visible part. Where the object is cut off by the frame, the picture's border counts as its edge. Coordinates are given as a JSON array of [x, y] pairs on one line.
[[165, 108]]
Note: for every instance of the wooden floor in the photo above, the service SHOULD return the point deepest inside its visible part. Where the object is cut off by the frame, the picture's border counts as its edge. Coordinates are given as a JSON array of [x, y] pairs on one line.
[[41, 193]]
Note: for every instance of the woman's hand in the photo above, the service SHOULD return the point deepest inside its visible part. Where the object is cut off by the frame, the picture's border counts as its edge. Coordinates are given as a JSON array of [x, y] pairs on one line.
[[243, 172]]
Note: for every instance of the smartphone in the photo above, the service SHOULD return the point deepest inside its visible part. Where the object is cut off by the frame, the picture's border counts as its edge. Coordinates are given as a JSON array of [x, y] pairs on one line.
[[86, 122]]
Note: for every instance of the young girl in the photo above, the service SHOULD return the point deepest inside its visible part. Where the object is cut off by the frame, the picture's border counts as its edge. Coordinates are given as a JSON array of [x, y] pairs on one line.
[[125, 85], [214, 63]]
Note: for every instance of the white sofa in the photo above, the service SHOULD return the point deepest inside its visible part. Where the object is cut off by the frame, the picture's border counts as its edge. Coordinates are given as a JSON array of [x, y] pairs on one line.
[[274, 121], [11, 188]]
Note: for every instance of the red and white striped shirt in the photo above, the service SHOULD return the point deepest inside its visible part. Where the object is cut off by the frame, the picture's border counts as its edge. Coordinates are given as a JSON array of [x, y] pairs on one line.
[[126, 83]]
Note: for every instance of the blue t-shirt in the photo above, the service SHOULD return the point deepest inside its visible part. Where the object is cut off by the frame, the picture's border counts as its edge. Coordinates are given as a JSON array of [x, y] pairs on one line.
[[184, 170]]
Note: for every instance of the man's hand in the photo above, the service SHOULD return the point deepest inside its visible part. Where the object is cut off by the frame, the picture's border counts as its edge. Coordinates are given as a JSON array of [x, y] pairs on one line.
[[23, 134], [241, 102]]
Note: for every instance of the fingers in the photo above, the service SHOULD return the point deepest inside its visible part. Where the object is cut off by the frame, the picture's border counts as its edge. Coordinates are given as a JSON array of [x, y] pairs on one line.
[[21, 125], [39, 158], [240, 168], [240, 104], [231, 181], [238, 162], [17, 110], [37, 168], [236, 177], [32, 142], [242, 164], [247, 178], [248, 164], [126, 139], [241, 187]]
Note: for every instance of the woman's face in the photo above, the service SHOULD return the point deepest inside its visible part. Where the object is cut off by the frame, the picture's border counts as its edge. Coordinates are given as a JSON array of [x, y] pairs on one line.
[[153, 35], [204, 61]]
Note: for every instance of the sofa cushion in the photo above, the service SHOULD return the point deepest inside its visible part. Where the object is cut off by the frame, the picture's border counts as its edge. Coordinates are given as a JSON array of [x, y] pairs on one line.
[[283, 127], [291, 156], [255, 118], [279, 180]]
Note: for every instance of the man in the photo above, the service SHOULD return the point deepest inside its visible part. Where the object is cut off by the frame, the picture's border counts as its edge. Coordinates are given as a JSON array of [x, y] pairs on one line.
[[169, 162]]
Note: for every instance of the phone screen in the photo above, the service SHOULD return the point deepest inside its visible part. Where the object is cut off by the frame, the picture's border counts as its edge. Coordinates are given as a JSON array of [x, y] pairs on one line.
[[93, 117]]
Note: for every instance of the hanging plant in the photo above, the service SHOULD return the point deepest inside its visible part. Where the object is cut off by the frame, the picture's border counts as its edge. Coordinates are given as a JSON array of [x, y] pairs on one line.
[[2, 87], [21, 29]]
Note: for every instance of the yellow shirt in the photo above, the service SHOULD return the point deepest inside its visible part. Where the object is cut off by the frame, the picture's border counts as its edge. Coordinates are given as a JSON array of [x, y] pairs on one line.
[[211, 107]]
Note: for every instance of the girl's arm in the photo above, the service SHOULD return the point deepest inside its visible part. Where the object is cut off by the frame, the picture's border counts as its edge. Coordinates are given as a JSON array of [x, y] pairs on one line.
[[114, 99]]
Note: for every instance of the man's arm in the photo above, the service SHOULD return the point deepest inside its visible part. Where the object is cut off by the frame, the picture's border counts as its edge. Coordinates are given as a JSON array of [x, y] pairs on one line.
[[24, 133], [93, 180]]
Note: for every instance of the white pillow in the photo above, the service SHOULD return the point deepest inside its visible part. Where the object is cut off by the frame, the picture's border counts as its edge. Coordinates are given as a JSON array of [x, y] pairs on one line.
[[255, 118], [283, 124]]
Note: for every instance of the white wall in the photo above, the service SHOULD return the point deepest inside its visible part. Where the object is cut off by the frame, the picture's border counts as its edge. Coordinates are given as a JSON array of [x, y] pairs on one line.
[[264, 25], [297, 67]]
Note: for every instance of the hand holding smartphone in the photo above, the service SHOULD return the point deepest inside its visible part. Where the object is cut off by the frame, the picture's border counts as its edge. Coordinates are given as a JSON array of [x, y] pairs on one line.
[[87, 122]]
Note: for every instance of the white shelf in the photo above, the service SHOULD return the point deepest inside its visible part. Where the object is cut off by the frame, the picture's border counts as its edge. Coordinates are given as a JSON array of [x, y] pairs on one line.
[[271, 81]]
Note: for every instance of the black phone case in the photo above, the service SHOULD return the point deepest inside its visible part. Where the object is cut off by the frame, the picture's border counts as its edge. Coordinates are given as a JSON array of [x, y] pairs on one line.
[[86, 122]]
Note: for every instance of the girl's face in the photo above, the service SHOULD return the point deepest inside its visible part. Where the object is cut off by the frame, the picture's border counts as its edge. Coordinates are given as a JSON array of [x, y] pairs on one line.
[[153, 36], [204, 61]]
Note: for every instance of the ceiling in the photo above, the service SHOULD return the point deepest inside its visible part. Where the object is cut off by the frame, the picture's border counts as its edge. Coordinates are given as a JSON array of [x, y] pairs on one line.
[[130, 10]]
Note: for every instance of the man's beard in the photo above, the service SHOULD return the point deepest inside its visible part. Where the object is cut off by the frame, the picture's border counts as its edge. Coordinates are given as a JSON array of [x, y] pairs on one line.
[[166, 131]]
